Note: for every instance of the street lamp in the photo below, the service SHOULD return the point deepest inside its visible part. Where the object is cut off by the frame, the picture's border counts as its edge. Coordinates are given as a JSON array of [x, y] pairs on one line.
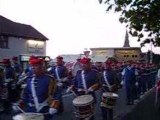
[[151, 55]]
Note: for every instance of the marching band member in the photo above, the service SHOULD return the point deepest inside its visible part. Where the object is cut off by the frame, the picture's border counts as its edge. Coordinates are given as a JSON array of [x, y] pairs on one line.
[[28, 71], [18, 71], [158, 74], [143, 78], [129, 76], [10, 84], [60, 72], [77, 66], [139, 81], [1, 87], [17, 67], [40, 95], [157, 92], [109, 84], [86, 80]]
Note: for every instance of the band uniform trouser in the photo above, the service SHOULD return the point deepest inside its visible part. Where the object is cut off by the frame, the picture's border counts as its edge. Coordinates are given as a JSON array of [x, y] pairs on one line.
[[130, 93], [144, 82], [139, 87], [59, 96], [107, 113]]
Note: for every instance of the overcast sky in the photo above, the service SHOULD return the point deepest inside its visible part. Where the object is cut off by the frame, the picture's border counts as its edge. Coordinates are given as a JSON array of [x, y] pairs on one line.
[[70, 25]]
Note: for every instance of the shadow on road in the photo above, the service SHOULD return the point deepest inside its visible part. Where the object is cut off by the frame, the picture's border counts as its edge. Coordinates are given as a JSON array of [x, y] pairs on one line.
[[144, 110]]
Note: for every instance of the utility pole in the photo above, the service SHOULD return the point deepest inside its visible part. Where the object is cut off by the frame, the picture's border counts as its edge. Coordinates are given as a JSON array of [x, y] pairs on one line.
[[151, 55]]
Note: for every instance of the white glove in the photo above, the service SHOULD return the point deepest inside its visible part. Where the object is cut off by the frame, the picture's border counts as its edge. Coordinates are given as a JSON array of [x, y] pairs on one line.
[[68, 89], [122, 82], [59, 84], [90, 89], [49, 69], [64, 79], [136, 83], [15, 107], [52, 111]]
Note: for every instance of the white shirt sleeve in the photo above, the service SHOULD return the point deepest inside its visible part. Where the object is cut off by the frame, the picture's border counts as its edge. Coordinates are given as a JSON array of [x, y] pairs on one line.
[[158, 74], [123, 72], [136, 72]]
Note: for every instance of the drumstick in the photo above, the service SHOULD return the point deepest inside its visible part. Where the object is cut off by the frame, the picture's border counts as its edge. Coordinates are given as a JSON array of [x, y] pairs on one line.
[[74, 93], [21, 109]]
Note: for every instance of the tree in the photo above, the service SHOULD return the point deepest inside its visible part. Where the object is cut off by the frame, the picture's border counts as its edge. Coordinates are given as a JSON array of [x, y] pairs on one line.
[[142, 18]]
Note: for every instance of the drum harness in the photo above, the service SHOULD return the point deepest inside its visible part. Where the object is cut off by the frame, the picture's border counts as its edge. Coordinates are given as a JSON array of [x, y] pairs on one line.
[[83, 81], [59, 83], [38, 105], [106, 81]]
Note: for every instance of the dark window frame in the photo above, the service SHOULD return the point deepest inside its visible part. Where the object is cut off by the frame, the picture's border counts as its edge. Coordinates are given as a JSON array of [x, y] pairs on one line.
[[136, 56], [4, 44]]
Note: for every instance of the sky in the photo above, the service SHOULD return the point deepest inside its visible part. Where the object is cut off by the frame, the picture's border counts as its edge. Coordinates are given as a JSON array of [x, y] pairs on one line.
[[70, 25]]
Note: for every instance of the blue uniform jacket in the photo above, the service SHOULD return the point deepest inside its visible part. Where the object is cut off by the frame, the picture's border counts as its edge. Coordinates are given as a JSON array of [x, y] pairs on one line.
[[111, 77], [91, 78], [45, 88], [9, 73], [129, 76], [62, 71], [18, 68]]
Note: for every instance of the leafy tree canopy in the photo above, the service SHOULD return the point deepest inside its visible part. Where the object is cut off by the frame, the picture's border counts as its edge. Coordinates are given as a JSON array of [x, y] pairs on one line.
[[142, 18]]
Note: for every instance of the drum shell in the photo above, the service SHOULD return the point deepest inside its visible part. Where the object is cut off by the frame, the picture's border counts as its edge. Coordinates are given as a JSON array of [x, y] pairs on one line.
[[108, 101], [84, 110]]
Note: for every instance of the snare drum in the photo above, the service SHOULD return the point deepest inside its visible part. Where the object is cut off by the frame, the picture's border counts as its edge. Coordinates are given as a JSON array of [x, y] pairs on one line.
[[83, 106], [29, 116], [109, 99]]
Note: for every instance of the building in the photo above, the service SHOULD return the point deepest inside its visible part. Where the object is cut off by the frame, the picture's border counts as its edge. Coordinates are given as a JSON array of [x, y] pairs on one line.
[[124, 53], [21, 40]]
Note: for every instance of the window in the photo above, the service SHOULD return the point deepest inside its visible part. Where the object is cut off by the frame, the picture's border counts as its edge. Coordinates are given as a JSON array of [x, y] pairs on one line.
[[3, 42], [134, 56], [126, 55]]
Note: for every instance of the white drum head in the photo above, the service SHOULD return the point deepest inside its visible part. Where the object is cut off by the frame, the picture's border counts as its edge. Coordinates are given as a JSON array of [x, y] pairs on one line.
[[110, 95], [83, 100], [29, 116]]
